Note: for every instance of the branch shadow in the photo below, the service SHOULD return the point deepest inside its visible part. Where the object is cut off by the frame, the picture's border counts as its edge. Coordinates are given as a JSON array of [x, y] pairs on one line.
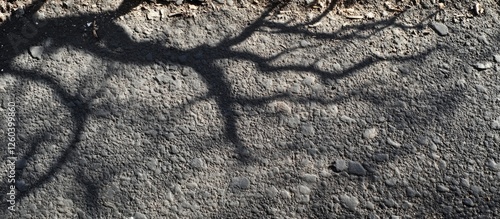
[[67, 32]]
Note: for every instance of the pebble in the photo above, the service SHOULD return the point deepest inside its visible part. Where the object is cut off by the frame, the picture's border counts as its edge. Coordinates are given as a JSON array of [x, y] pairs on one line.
[[468, 202], [407, 205], [304, 190], [493, 165], [240, 182], [481, 88], [389, 202], [153, 15], [309, 80], [497, 57], [340, 165], [370, 133], [465, 183], [197, 163], [476, 190], [442, 188], [162, 78], [138, 215], [423, 140], [308, 130], [410, 192], [381, 157], [2, 17], [36, 52], [21, 163], [285, 194], [272, 191], [370, 15], [391, 182], [311, 178], [483, 65], [356, 168], [21, 185], [393, 143], [304, 43], [370, 205], [347, 119], [349, 202], [440, 28], [334, 110], [282, 107], [495, 124], [173, 149]]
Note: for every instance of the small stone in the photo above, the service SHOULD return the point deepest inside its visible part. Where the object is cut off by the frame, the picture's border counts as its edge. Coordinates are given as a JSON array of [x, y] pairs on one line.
[[356, 168], [370, 205], [333, 109], [21, 163], [370, 133], [308, 2], [440, 28], [407, 205], [410, 192], [311, 178], [138, 215], [2, 17], [465, 183], [481, 88], [349, 202], [21, 185], [272, 191], [149, 57], [340, 165], [198, 163], [308, 80], [283, 107], [304, 43], [495, 124], [347, 119], [442, 188], [391, 182], [493, 165], [304, 190], [36, 52], [497, 57], [483, 65], [393, 143], [423, 140], [240, 182], [285, 194], [308, 130], [390, 203], [162, 78], [153, 15], [173, 149], [381, 157], [370, 15], [468, 202]]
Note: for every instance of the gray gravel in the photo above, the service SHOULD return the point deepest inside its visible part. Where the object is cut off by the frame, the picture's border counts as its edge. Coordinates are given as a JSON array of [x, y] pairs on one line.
[[217, 112]]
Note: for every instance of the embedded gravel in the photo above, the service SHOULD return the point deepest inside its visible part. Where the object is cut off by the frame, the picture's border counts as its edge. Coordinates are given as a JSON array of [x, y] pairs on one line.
[[241, 109]]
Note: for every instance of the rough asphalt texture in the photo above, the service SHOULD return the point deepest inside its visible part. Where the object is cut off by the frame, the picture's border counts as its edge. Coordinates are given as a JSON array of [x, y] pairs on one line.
[[253, 111]]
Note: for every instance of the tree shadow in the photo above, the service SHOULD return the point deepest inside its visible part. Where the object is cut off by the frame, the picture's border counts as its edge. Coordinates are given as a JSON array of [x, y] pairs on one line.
[[24, 32]]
